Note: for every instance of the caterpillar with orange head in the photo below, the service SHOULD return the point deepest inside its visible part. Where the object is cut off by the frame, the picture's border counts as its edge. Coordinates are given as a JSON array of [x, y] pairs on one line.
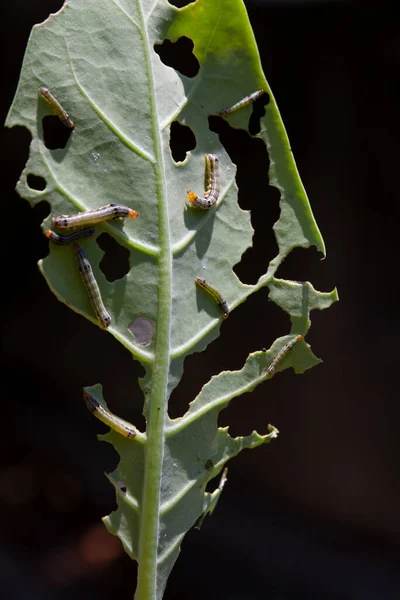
[[213, 186], [90, 217], [64, 240]]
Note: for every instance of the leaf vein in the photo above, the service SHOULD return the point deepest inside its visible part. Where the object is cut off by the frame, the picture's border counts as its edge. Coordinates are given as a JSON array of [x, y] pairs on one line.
[[163, 557], [184, 421], [117, 132], [122, 238], [128, 16]]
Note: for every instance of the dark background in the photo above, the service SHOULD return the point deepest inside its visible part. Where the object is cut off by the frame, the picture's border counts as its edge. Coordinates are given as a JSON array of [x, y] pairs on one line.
[[313, 516]]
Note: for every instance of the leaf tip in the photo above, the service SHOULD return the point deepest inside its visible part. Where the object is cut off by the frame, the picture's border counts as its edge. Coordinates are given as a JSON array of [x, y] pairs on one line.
[[272, 431]]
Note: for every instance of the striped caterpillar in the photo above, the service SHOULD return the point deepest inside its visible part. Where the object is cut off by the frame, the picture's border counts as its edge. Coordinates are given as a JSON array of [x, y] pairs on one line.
[[214, 293], [213, 186], [91, 286], [242, 103], [282, 353], [89, 217], [108, 417], [64, 240], [56, 106]]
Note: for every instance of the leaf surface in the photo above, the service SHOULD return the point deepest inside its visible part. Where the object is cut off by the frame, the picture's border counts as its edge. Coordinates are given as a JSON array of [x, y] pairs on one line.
[[98, 59]]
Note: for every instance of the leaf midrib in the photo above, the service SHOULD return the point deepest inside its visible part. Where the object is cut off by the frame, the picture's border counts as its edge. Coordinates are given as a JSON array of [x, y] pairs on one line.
[[156, 402]]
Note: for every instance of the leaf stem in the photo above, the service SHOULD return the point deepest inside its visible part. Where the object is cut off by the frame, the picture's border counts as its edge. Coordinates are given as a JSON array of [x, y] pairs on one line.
[[155, 407]]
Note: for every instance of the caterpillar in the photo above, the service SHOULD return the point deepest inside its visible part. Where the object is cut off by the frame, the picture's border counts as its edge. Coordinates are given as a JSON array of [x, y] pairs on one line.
[[282, 353], [89, 217], [56, 106], [242, 103], [214, 293], [213, 186], [108, 417], [63, 240], [91, 286]]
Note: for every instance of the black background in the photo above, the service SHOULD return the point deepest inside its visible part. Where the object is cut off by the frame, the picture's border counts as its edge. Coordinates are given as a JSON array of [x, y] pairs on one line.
[[315, 515]]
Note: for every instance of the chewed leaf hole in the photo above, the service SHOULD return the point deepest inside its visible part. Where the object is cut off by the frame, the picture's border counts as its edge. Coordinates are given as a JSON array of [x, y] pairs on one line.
[[181, 141], [55, 134], [181, 3], [212, 484], [179, 55], [115, 262], [119, 485], [256, 114], [259, 322], [255, 194], [42, 210], [36, 182], [302, 264], [244, 423], [142, 330]]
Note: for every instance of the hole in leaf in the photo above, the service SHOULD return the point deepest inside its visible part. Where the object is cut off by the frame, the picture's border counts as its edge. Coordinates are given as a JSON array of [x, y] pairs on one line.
[[257, 112], [119, 398], [36, 182], [181, 3], [41, 210], [181, 141], [35, 238], [255, 194], [213, 484], [251, 326], [119, 485], [115, 262], [142, 330], [55, 134], [256, 416], [179, 55], [302, 264]]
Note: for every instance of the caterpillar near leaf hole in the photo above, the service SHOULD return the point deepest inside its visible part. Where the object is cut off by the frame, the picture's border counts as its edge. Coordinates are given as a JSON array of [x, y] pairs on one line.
[[56, 106], [64, 240], [91, 286], [90, 217], [242, 103], [108, 417], [213, 186]]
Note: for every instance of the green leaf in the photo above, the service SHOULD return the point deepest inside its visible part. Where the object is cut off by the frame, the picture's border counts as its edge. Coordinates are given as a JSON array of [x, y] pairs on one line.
[[98, 59]]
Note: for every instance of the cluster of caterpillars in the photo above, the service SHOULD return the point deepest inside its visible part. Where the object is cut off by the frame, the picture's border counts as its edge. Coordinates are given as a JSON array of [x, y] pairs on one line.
[[114, 211]]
